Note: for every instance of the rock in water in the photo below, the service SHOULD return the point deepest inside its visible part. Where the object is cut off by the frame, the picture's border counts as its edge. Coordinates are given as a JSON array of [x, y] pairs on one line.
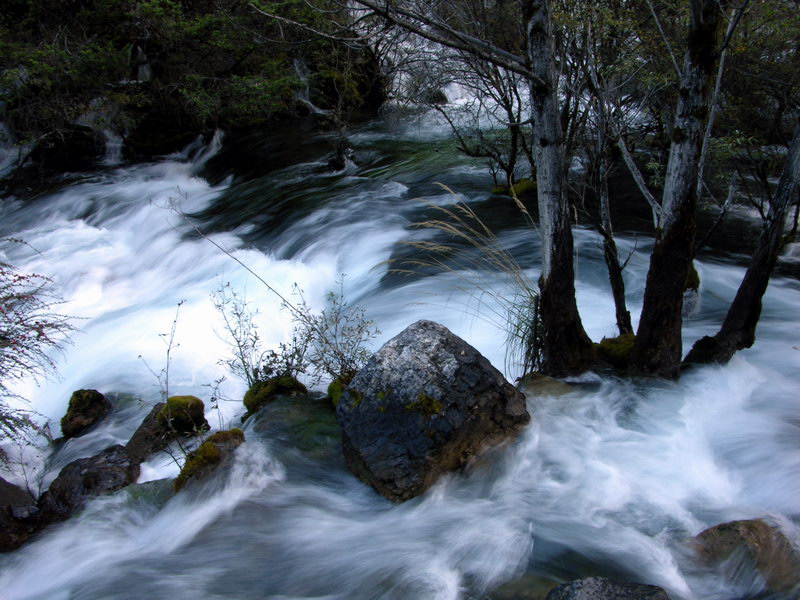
[[214, 452], [86, 408], [741, 547], [423, 405], [16, 507], [85, 478], [600, 588]]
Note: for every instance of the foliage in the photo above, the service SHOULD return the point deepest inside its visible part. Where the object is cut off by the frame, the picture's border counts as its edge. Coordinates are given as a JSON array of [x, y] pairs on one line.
[[329, 344], [160, 64], [337, 336], [31, 332], [249, 362]]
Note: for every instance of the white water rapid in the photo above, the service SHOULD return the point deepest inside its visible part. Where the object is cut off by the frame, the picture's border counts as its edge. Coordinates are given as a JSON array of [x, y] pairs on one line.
[[611, 479]]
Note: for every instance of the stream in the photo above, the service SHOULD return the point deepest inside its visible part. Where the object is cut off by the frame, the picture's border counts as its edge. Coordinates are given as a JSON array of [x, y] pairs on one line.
[[611, 479]]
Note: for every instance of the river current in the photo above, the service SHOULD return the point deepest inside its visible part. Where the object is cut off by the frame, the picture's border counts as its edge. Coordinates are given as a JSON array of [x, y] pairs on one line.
[[610, 479]]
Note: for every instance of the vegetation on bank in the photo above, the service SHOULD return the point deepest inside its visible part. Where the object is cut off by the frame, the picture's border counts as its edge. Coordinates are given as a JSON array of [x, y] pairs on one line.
[[158, 72]]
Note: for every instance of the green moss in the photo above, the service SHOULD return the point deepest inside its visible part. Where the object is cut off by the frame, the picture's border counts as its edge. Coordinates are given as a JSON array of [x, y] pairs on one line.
[[617, 350], [184, 414], [524, 187], [427, 405], [234, 435], [262, 392], [693, 278], [337, 386], [357, 396], [208, 455]]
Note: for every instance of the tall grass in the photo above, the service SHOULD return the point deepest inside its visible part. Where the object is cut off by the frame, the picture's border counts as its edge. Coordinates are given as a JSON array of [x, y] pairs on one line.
[[508, 299]]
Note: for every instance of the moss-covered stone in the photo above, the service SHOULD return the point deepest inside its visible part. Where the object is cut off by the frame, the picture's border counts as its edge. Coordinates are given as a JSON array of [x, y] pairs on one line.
[[86, 407], [262, 392], [304, 423], [522, 188], [183, 414], [616, 351], [427, 405], [209, 455]]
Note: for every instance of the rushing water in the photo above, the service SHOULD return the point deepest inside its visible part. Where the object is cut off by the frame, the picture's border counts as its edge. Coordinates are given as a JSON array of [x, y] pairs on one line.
[[611, 479]]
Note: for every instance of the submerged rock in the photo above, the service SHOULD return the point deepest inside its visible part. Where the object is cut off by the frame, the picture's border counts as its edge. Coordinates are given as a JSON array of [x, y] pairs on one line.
[[86, 408], [600, 588], [86, 478], [536, 384], [212, 453], [16, 509], [742, 547], [423, 405]]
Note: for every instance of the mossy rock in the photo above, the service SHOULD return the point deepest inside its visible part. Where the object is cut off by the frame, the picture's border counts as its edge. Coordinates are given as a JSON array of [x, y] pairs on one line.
[[209, 456], [262, 392], [617, 351], [306, 423], [86, 408], [337, 386], [522, 188], [183, 414]]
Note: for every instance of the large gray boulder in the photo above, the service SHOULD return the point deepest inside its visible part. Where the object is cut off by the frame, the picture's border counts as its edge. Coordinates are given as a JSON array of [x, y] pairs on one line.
[[423, 405], [600, 588]]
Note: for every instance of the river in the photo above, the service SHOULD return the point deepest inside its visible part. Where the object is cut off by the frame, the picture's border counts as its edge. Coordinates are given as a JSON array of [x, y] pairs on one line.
[[611, 479]]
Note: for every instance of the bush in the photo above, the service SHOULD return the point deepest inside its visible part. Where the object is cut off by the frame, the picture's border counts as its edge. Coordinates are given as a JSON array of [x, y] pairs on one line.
[[30, 332]]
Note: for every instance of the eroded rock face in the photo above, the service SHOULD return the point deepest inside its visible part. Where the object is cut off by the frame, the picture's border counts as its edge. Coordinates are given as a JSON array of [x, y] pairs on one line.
[[423, 405], [85, 478], [600, 588], [740, 547]]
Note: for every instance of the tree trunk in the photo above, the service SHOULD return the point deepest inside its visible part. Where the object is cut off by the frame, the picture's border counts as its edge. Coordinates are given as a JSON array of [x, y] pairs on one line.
[[566, 349], [658, 340], [610, 252], [738, 331]]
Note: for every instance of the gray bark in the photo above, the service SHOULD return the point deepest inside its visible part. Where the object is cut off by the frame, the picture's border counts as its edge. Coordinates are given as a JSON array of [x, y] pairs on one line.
[[658, 347], [738, 331], [566, 348]]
